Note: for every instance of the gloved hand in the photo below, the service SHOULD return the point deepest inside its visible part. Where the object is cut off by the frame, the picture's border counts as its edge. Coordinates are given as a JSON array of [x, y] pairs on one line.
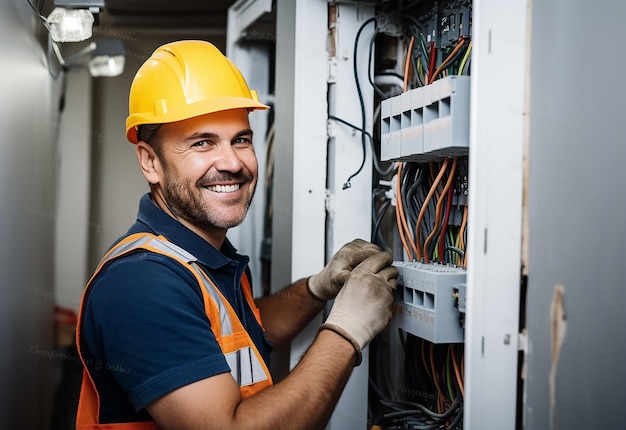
[[363, 307], [326, 284]]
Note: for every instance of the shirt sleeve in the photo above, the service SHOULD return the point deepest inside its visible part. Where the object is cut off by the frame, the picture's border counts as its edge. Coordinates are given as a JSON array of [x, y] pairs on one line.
[[145, 321]]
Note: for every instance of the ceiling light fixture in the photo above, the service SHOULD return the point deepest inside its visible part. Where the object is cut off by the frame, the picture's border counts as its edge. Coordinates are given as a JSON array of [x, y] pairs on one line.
[[73, 20], [105, 57], [70, 25]]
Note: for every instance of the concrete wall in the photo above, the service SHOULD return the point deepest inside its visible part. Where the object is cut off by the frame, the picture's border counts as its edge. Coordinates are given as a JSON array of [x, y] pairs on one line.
[[28, 165]]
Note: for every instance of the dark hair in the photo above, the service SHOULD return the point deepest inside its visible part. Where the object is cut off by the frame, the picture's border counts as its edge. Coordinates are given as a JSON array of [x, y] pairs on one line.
[[150, 133]]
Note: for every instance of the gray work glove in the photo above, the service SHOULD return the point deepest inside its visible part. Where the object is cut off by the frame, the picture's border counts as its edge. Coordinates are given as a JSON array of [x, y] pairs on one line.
[[363, 307], [326, 284]]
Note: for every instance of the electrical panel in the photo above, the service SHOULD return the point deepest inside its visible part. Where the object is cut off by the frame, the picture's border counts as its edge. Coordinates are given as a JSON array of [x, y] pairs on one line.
[[423, 129], [398, 79]]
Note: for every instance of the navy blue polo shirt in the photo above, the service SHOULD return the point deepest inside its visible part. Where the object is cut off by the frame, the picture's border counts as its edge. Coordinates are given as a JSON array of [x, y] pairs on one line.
[[144, 328]]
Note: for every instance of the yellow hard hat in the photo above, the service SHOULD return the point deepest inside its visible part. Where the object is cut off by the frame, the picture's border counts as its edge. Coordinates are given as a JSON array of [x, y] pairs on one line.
[[182, 80]]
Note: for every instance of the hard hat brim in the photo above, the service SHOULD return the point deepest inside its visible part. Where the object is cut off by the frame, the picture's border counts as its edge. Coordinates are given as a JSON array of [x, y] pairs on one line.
[[189, 111]]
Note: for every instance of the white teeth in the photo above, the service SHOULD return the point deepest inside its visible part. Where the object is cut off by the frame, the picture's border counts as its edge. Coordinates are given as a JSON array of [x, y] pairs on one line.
[[223, 188]]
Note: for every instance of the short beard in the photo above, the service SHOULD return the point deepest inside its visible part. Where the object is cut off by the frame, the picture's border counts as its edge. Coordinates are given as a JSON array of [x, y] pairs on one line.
[[184, 203]]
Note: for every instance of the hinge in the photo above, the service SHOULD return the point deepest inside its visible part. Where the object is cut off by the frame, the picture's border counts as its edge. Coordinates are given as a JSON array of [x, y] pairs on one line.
[[522, 341], [332, 70], [329, 201]]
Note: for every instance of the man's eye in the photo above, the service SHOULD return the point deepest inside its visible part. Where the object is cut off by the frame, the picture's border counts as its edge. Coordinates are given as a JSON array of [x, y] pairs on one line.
[[242, 141], [201, 144]]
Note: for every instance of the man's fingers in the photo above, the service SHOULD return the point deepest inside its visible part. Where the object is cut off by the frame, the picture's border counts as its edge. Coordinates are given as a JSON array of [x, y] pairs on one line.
[[390, 274], [375, 262]]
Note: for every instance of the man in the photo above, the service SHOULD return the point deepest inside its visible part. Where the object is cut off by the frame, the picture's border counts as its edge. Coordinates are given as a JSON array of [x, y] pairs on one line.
[[169, 334]]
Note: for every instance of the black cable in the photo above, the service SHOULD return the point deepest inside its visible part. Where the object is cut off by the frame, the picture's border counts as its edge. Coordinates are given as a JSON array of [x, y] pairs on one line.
[[457, 419], [380, 92], [347, 184], [402, 339], [377, 166], [343, 121], [411, 192], [39, 15], [415, 22], [381, 214], [375, 195], [452, 60], [419, 407]]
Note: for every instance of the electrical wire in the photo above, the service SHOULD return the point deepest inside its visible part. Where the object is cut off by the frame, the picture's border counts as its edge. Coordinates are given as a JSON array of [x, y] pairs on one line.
[[448, 59], [461, 240], [39, 15], [423, 210], [448, 378], [457, 372], [380, 92], [377, 220], [377, 166], [421, 408], [407, 64], [348, 184], [412, 179], [466, 68], [432, 61], [465, 58], [438, 210], [444, 226], [403, 228]]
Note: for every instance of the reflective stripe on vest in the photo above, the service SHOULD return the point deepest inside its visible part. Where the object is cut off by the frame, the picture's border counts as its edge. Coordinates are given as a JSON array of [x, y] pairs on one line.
[[245, 362]]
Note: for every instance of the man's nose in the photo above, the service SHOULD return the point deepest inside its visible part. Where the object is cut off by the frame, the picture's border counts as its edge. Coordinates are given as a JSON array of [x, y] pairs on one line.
[[227, 159]]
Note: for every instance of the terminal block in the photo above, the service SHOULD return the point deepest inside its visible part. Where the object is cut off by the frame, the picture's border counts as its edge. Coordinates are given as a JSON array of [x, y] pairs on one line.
[[427, 123], [459, 302], [427, 302]]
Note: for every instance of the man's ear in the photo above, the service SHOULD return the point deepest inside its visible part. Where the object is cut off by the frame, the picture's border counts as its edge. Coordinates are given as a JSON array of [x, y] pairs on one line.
[[149, 162]]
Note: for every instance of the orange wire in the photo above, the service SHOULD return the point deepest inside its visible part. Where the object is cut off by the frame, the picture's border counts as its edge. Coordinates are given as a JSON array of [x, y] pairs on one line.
[[445, 62], [431, 169], [435, 374], [403, 227], [407, 64], [399, 210], [424, 360], [423, 209], [400, 217], [457, 371], [438, 209], [463, 367], [461, 233]]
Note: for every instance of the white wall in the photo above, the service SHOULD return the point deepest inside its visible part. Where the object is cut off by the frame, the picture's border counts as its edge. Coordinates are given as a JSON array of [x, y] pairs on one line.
[[73, 224], [28, 107]]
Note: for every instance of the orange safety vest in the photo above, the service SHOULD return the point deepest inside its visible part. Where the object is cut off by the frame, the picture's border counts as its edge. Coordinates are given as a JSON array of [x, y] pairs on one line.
[[243, 357]]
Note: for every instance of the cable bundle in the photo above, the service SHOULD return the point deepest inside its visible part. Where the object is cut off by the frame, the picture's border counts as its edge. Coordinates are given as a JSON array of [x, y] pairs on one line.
[[425, 193], [431, 395]]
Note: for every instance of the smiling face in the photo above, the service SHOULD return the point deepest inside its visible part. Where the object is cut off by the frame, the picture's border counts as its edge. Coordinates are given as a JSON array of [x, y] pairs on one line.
[[205, 172]]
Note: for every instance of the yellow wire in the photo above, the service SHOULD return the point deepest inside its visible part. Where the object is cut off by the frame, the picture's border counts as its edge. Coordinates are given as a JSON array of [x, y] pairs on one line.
[[465, 57]]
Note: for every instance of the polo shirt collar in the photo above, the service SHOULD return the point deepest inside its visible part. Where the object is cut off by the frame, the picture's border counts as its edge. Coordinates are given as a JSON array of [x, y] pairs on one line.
[[161, 223]]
